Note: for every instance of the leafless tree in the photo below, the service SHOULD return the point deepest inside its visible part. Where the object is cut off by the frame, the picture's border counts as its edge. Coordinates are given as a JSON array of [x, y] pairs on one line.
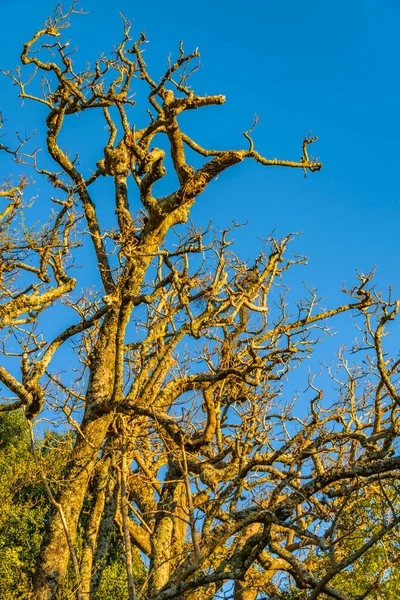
[[185, 435]]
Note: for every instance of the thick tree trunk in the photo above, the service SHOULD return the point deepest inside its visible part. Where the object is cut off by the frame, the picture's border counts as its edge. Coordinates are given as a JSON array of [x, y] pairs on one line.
[[104, 366], [161, 553], [162, 540], [55, 553]]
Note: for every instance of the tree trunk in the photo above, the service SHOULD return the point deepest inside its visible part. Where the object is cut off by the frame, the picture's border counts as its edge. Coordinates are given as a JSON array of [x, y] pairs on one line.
[[105, 531], [163, 534], [93, 526], [55, 553], [125, 528]]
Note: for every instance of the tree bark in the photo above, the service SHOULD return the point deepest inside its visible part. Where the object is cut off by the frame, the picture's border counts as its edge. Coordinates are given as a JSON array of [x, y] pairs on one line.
[[125, 527], [163, 534], [92, 529], [96, 421], [243, 590], [105, 531], [55, 554]]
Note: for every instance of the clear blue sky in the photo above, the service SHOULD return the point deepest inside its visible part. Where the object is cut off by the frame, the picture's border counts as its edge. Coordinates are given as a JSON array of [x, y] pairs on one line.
[[329, 67]]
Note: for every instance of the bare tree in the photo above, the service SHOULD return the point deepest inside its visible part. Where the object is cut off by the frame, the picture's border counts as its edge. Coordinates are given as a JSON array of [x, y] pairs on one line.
[[185, 436]]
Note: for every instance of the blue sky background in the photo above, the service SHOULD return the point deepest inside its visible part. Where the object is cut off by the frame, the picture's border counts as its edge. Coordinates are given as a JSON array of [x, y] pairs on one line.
[[328, 67]]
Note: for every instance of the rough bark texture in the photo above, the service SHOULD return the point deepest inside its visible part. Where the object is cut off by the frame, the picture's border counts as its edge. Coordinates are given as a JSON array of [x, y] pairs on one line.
[[92, 528], [244, 589], [104, 533], [55, 555], [163, 533]]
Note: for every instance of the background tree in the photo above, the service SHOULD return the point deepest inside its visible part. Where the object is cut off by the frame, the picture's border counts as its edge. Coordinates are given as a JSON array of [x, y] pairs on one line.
[[22, 516], [186, 435]]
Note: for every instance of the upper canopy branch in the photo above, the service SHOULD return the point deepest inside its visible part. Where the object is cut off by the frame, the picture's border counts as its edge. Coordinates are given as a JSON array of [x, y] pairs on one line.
[[94, 88]]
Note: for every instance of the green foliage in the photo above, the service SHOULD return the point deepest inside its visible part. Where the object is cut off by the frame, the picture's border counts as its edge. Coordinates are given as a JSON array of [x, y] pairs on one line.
[[25, 508], [114, 584]]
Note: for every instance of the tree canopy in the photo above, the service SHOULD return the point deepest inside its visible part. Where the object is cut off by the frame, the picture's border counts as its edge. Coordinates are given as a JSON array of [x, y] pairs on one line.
[[180, 461]]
